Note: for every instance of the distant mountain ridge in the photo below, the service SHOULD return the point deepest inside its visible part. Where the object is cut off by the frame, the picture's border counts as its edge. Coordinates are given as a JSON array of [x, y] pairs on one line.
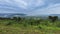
[[54, 14], [11, 14], [21, 14]]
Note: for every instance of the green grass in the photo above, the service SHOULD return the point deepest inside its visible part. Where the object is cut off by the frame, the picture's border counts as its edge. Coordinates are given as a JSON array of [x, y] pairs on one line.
[[25, 27]]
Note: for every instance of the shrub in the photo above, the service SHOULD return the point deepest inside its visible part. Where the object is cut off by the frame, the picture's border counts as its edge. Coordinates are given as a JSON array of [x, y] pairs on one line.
[[58, 24], [34, 22], [9, 23], [40, 27]]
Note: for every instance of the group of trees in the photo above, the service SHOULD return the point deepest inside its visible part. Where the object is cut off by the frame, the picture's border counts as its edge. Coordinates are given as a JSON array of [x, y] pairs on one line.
[[53, 18], [13, 18], [17, 18]]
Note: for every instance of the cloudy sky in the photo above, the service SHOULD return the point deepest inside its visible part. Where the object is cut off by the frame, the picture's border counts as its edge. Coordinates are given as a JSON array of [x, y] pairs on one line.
[[30, 7]]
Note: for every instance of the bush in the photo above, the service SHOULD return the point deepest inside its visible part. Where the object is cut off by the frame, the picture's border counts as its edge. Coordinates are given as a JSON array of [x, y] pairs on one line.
[[9, 23], [58, 24], [40, 27], [34, 22]]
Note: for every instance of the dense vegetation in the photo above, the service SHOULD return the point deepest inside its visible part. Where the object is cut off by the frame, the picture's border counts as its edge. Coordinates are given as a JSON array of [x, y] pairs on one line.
[[35, 25]]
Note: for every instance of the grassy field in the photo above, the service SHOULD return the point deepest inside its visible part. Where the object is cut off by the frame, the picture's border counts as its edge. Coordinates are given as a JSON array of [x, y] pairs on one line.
[[29, 26]]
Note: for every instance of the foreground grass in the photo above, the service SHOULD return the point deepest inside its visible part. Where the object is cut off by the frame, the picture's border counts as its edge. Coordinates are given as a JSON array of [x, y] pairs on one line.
[[17, 28], [28, 30]]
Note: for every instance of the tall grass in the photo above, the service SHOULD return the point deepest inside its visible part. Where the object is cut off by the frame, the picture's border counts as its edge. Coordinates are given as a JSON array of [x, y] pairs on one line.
[[38, 25]]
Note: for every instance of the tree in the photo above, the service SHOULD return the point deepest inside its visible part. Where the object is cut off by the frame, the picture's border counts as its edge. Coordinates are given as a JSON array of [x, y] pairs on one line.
[[53, 18], [17, 18]]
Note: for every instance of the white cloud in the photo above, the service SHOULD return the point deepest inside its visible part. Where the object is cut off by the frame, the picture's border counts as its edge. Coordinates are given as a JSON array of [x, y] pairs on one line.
[[21, 3], [18, 3], [51, 9], [54, 9], [25, 4], [35, 3], [39, 2]]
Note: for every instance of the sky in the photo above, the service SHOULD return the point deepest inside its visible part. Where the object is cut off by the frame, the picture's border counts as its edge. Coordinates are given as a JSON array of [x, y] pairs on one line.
[[30, 7]]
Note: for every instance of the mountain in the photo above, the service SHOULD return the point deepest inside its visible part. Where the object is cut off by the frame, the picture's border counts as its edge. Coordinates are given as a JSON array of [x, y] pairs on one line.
[[11, 14], [54, 14]]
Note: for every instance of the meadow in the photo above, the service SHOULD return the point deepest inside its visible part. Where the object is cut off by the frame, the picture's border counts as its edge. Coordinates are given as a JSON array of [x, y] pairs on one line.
[[29, 26]]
